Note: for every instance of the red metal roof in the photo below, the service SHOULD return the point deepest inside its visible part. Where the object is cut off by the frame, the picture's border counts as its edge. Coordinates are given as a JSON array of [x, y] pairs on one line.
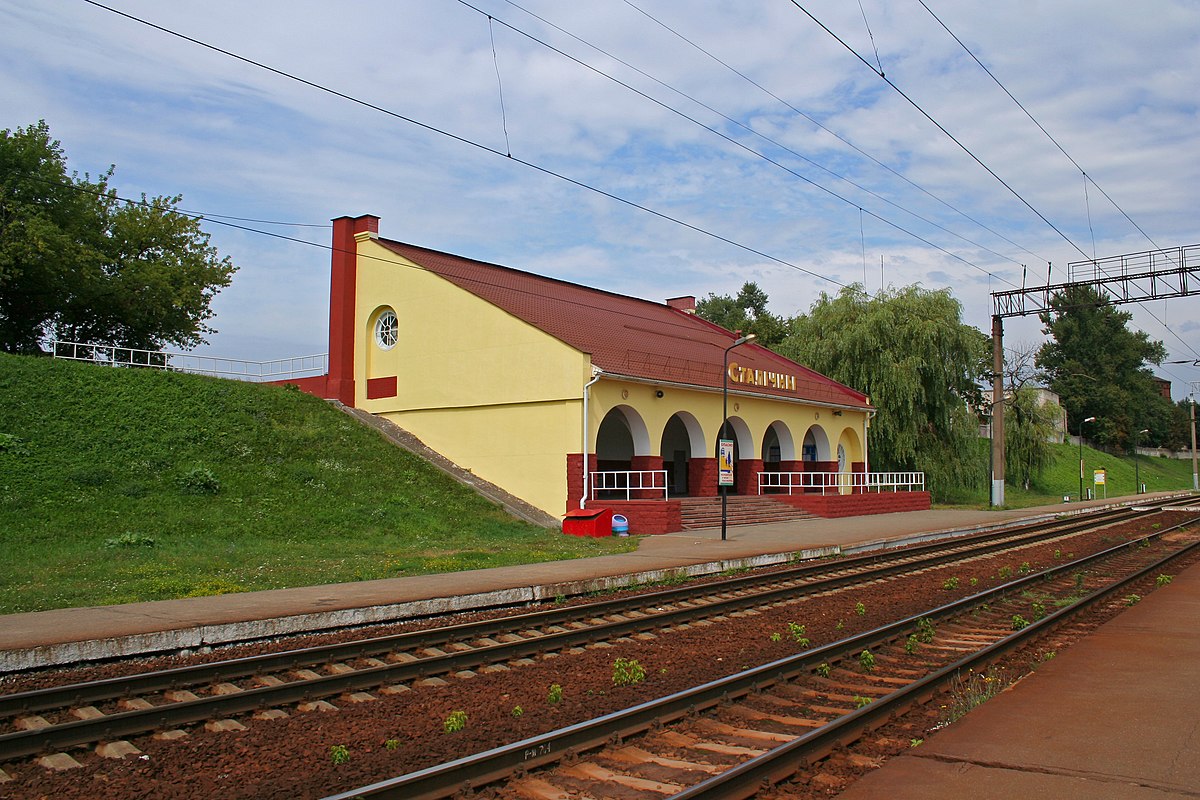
[[625, 335]]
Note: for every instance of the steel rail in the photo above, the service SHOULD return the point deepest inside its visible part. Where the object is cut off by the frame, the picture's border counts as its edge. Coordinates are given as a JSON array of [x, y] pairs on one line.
[[476, 771], [133, 722], [30, 742], [181, 677], [777, 764]]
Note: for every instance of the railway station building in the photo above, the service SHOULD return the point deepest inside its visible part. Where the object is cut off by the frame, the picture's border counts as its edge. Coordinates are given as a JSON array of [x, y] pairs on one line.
[[569, 397]]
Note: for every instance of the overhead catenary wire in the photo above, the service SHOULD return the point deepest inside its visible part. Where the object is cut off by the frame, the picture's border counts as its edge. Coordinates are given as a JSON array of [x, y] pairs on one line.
[[477, 145], [941, 128], [1086, 177], [733, 121], [751, 150], [534, 166], [814, 121], [1038, 124]]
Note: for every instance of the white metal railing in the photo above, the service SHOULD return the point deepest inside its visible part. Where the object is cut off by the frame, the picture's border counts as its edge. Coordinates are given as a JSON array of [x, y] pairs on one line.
[[839, 482], [629, 481], [238, 369]]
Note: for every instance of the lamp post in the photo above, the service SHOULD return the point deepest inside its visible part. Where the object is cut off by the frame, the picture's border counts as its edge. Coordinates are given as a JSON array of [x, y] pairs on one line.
[[1137, 478], [1081, 424], [725, 425]]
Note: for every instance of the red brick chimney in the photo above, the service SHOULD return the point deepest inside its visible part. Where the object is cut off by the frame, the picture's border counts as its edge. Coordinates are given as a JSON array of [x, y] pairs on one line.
[[686, 304], [342, 294]]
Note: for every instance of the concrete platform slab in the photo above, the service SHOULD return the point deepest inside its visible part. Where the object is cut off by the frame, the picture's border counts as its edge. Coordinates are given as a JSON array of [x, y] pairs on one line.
[[1115, 716]]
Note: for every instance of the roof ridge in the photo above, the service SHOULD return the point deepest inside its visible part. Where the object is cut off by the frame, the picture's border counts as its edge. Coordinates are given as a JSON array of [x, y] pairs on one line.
[[527, 273]]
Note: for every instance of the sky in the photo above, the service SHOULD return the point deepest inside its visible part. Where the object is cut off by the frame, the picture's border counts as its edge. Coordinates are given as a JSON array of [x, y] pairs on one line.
[[654, 148]]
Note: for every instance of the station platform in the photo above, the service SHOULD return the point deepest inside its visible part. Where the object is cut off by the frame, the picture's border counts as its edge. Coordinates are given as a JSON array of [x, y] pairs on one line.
[[65, 636], [1114, 717]]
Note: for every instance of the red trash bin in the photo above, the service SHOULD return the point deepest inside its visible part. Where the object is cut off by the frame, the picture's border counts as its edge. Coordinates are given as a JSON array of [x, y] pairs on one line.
[[594, 522]]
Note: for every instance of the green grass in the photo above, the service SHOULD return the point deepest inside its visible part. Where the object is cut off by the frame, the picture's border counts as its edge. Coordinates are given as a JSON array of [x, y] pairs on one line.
[[1061, 477], [107, 479]]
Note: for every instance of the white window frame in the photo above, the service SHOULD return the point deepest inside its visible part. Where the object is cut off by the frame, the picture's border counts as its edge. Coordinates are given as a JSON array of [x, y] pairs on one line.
[[387, 329]]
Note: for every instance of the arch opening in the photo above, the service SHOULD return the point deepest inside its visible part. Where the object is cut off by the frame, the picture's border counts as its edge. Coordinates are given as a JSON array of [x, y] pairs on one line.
[[743, 442], [816, 445], [682, 439]]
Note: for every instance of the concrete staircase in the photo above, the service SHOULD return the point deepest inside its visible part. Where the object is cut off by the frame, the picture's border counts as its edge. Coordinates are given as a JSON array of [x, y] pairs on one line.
[[705, 512]]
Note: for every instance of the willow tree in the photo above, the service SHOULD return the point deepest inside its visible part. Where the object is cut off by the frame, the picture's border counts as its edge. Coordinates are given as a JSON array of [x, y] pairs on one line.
[[909, 351]]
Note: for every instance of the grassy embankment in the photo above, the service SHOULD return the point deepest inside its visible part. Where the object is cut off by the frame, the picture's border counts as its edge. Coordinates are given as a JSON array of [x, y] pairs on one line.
[[1061, 477], [120, 485]]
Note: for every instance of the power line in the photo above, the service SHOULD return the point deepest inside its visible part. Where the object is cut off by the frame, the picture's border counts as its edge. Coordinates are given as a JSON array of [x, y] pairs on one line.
[[940, 127], [110, 194], [463, 140], [741, 145], [1061, 149], [1086, 178], [185, 212], [819, 125], [204, 215]]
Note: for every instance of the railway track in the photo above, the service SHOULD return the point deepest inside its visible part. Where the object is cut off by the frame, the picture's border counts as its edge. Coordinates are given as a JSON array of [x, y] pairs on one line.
[[733, 737], [55, 719]]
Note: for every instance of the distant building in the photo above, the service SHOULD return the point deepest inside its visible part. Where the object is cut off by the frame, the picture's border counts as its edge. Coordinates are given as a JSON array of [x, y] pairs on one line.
[[1164, 386], [1045, 399], [1049, 399]]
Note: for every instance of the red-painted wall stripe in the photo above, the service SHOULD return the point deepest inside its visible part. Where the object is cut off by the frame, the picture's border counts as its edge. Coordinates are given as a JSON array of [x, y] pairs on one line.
[[381, 387]]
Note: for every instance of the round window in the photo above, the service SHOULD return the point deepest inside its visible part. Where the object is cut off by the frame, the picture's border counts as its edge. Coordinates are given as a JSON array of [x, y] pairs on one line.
[[387, 330], [841, 451]]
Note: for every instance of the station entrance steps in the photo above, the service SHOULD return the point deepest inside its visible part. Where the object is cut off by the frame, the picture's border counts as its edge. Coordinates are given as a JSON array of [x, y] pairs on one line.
[[705, 512]]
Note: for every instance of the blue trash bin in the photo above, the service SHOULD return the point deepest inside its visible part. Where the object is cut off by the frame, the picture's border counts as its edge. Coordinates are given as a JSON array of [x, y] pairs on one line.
[[620, 525]]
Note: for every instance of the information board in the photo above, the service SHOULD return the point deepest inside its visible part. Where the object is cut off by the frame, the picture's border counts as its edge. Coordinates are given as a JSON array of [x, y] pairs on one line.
[[725, 463]]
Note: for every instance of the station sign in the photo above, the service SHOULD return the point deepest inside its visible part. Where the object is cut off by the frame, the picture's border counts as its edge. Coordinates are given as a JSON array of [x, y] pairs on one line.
[[761, 377]]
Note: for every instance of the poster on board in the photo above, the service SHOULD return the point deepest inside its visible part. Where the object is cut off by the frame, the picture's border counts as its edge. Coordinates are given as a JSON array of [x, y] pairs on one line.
[[725, 463]]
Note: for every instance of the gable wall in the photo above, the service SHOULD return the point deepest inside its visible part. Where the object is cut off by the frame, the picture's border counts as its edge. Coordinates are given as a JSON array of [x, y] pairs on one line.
[[485, 389]]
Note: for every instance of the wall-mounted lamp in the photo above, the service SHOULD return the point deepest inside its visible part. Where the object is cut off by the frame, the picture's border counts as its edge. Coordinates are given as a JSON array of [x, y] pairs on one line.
[[659, 393], [837, 413]]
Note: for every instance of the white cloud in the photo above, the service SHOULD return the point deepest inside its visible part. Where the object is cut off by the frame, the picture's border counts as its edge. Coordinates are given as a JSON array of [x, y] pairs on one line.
[[1112, 81]]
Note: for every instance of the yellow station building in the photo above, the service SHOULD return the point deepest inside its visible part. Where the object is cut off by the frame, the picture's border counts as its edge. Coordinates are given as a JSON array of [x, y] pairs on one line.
[[523, 379]]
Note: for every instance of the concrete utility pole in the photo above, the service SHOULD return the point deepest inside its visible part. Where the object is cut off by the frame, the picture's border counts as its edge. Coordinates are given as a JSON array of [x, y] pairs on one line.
[[1195, 472], [998, 411]]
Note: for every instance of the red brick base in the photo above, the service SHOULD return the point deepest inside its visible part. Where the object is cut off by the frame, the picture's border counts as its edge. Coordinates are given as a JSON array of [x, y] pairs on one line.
[[853, 505], [317, 385], [645, 516]]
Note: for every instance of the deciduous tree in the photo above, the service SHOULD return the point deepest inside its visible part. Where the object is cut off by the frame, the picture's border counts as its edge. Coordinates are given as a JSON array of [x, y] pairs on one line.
[[78, 263], [1100, 368], [746, 313]]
